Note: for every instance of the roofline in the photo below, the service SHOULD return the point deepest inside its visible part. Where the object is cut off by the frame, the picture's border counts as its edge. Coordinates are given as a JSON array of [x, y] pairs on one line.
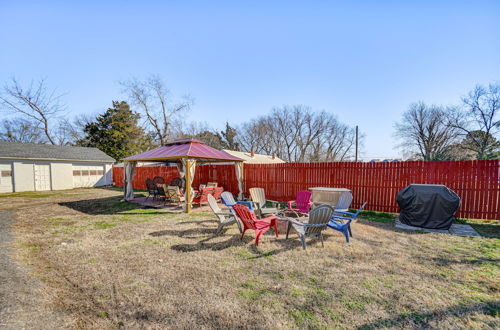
[[69, 160], [211, 160]]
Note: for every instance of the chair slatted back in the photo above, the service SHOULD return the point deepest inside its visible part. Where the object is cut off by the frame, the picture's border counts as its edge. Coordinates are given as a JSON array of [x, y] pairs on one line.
[[158, 180], [215, 207], [303, 200], [218, 192], [228, 198], [258, 195], [345, 200], [320, 215], [245, 215], [211, 184]]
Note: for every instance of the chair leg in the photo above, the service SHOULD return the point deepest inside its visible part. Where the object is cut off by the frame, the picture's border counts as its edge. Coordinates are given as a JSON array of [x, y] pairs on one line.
[[349, 228], [258, 233], [346, 234], [288, 229], [321, 237], [303, 241], [219, 229], [239, 226], [275, 228], [243, 234]]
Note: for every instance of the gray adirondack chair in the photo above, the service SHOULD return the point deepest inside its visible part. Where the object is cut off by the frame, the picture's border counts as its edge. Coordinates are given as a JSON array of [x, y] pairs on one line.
[[318, 219], [225, 218], [344, 202], [259, 199]]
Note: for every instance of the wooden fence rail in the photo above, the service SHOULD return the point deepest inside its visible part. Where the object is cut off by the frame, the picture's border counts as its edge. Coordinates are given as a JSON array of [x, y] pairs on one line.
[[476, 182]]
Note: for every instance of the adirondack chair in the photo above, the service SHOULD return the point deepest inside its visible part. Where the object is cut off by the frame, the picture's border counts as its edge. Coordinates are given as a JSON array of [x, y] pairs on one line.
[[211, 184], [250, 221], [344, 202], [152, 191], [218, 192], [228, 200], [337, 221], [201, 196], [175, 195], [302, 202], [259, 199], [318, 219], [225, 218]]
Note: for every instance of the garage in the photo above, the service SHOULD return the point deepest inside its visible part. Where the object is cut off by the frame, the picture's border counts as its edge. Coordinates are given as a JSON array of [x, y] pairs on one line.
[[5, 177], [41, 167]]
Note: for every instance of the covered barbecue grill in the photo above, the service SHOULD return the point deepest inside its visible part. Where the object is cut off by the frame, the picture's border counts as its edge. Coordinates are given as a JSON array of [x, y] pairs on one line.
[[428, 206]]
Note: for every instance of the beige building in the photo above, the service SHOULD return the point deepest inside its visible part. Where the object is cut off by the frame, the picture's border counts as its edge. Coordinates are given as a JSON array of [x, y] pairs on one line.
[[39, 167], [253, 158]]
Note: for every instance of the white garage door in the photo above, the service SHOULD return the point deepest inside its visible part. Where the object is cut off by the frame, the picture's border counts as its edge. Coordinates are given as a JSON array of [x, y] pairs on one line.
[[87, 175], [6, 178], [42, 177]]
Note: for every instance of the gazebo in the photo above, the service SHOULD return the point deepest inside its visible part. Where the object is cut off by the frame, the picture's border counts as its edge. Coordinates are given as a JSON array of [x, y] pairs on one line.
[[186, 154]]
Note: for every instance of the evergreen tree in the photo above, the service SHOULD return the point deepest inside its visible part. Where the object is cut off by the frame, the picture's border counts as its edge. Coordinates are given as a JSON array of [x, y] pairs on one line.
[[116, 132]]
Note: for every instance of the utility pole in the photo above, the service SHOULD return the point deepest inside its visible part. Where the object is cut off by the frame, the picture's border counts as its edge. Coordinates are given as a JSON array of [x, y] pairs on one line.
[[356, 156]]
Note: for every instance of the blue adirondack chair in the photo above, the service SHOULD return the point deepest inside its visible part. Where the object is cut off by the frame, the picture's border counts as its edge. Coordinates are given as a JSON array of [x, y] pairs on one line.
[[228, 200], [337, 221]]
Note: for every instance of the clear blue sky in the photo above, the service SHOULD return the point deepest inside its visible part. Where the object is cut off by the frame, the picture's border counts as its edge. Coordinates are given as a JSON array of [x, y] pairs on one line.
[[365, 62]]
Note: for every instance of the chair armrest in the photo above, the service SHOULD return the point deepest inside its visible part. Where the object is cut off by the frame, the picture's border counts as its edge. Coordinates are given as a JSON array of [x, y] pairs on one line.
[[344, 212], [273, 217], [290, 203], [295, 221], [341, 217], [314, 224]]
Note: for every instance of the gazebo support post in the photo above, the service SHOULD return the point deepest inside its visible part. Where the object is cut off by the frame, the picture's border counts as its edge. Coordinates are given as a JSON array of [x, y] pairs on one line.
[[188, 185]]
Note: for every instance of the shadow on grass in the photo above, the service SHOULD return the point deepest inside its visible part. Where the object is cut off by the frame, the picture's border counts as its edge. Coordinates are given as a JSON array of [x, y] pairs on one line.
[[110, 205], [423, 319]]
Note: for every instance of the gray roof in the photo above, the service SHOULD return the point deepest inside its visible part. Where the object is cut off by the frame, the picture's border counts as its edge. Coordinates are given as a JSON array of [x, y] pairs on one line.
[[51, 152]]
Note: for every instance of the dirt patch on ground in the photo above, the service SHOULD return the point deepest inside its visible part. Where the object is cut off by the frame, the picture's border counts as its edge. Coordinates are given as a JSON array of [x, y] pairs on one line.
[[21, 293], [110, 264]]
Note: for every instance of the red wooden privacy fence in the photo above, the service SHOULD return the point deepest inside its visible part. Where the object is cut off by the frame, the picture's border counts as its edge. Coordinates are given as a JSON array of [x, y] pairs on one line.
[[476, 182]]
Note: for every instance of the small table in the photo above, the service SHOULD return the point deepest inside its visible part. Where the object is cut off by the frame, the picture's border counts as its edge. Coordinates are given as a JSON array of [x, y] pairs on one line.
[[329, 196]]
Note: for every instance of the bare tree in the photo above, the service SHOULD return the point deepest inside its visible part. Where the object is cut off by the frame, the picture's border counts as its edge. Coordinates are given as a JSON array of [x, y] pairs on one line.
[[479, 119], [21, 130], [425, 131], [153, 98], [36, 103], [297, 134]]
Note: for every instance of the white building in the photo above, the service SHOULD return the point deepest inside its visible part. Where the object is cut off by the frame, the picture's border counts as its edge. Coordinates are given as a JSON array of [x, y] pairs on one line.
[[38, 167]]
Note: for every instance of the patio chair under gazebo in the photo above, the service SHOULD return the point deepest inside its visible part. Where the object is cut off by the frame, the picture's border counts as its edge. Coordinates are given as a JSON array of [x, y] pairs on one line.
[[186, 154]]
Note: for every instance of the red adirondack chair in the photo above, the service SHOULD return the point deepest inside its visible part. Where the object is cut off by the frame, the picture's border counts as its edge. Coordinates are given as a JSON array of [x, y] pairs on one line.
[[250, 221], [201, 196], [218, 192], [302, 203]]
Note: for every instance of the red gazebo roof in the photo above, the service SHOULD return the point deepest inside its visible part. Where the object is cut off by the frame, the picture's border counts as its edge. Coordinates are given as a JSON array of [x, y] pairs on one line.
[[185, 148]]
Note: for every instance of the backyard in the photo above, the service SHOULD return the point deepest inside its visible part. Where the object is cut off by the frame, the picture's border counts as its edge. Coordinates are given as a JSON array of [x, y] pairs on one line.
[[103, 264]]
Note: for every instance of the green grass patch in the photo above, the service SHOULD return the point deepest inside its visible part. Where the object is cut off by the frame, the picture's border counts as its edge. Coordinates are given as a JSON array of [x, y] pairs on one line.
[[383, 217], [103, 225], [31, 194], [304, 318]]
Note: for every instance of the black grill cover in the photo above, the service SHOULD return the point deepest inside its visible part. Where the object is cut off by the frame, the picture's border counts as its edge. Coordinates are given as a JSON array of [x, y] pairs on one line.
[[428, 206]]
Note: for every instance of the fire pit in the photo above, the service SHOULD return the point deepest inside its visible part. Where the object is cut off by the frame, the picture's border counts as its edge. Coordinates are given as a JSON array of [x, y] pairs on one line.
[[283, 216]]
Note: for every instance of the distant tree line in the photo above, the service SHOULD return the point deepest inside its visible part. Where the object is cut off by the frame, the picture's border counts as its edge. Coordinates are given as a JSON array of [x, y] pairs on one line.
[[463, 132], [149, 116]]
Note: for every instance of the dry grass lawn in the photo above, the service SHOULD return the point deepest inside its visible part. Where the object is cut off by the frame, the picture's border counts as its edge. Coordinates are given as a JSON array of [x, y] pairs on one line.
[[110, 264]]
